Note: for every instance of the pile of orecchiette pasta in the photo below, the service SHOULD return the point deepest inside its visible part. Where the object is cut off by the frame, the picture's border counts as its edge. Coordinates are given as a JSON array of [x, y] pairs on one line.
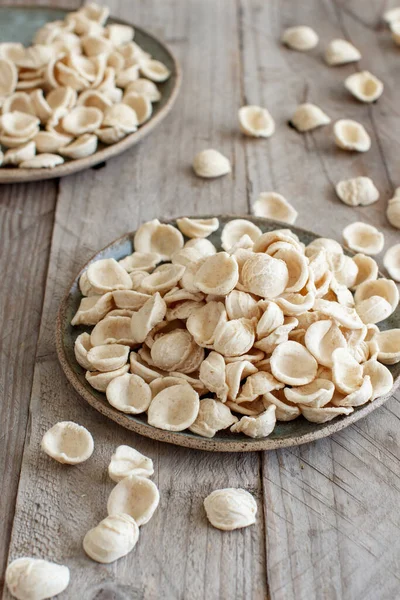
[[266, 329], [80, 82]]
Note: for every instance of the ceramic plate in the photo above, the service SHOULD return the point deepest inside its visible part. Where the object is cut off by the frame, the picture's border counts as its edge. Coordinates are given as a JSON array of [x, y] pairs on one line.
[[19, 24], [292, 433]]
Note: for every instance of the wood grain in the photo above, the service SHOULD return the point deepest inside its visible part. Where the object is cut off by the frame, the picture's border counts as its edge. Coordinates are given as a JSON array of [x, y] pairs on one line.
[[328, 512]]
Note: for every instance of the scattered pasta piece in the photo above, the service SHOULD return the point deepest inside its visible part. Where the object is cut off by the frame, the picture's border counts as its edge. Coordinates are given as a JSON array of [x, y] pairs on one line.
[[341, 52], [301, 38], [211, 163], [364, 86], [365, 238], [274, 206], [230, 508], [352, 136], [357, 191], [256, 121], [308, 117]]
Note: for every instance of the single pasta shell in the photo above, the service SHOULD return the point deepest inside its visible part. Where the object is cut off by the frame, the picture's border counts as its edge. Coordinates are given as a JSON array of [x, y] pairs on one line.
[[341, 52], [114, 537], [393, 212], [381, 378], [100, 380], [169, 351], [148, 316], [141, 368], [212, 375], [203, 323], [106, 275], [364, 238], [217, 275], [62, 97], [129, 299], [257, 385], [119, 34], [347, 374], [357, 191], [316, 394], [42, 161], [85, 145], [235, 338], [211, 163], [40, 106], [16, 156], [344, 315], [285, 411], [19, 101], [135, 496], [256, 121], [19, 125], [230, 508], [92, 309], [174, 409], [278, 336], [322, 339], [110, 135], [12, 51], [388, 346], [163, 279], [293, 364], [234, 374], [67, 76], [129, 394], [140, 104], [391, 261], [271, 319], [143, 261], [144, 87], [154, 70], [162, 383], [158, 238], [108, 357], [392, 15], [127, 461], [352, 136], [301, 38], [234, 230], [82, 119], [8, 77], [94, 98], [126, 76], [265, 276], [359, 397], [364, 86], [51, 141], [296, 264], [322, 415], [257, 427], [274, 206], [112, 330], [197, 228], [241, 304], [122, 116], [308, 117], [68, 443], [93, 45], [35, 578], [212, 417], [81, 348]]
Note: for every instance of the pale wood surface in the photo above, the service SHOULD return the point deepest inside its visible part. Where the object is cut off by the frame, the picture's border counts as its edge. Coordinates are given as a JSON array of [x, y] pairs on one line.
[[328, 512]]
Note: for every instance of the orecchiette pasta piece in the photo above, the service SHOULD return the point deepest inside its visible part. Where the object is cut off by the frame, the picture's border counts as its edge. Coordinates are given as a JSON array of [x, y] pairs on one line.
[[235, 338], [347, 373], [301, 38], [147, 317], [322, 415], [171, 351], [297, 266], [293, 364], [163, 279], [270, 320], [15, 156], [388, 346], [257, 427], [278, 336], [19, 125], [114, 537], [129, 299], [385, 288], [257, 385], [154, 70], [359, 397], [203, 323], [213, 375], [256, 121], [241, 304], [380, 376], [364, 86], [35, 579], [85, 145], [322, 339], [81, 348], [108, 357], [158, 238], [357, 191], [274, 206], [296, 304], [234, 374], [129, 394], [183, 310], [112, 330], [197, 228], [100, 380], [230, 508], [92, 309], [352, 136], [393, 212], [106, 275], [265, 240], [211, 163], [19, 101], [391, 261], [235, 229], [285, 410], [51, 141], [135, 496], [143, 370], [162, 383], [317, 394], [174, 409], [249, 409], [68, 443], [217, 275], [265, 276], [144, 87], [344, 315], [341, 52], [307, 117], [203, 246], [367, 269], [127, 461], [392, 15], [82, 119], [212, 417], [42, 161]]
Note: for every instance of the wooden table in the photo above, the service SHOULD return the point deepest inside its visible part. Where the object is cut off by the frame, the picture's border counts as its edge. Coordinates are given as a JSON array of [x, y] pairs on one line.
[[328, 521]]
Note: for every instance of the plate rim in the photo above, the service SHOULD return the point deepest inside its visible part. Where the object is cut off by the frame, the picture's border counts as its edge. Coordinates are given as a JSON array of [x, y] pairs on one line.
[[181, 438], [16, 175]]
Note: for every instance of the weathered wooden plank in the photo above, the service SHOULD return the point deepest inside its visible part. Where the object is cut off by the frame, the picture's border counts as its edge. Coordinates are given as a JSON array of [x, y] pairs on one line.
[[331, 517], [178, 555], [26, 222]]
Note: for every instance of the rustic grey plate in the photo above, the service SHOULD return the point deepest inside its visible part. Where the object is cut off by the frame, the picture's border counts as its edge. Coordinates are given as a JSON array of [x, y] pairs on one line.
[[19, 24], [293, 433]]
